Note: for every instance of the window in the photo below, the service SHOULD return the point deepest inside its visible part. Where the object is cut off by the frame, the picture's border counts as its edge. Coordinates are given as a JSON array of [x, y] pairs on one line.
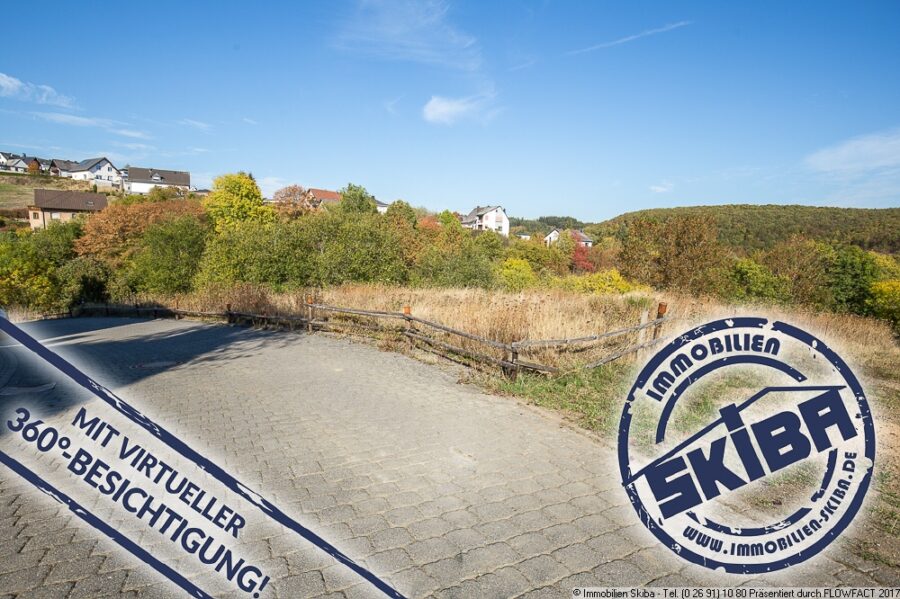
[[35, 215], [54, 215]]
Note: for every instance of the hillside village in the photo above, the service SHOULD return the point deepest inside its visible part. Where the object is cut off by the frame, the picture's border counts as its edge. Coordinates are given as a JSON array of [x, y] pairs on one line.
[[56, 205]]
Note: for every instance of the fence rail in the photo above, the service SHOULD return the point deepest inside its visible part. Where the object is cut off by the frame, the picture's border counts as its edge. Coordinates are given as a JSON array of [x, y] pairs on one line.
[[316, 318]]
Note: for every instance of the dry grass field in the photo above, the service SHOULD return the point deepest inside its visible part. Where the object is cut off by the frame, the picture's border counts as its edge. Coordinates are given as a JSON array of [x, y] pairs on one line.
[[17, 190]]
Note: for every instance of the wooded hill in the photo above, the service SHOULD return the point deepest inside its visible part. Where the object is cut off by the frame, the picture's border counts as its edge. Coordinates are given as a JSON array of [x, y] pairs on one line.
[[759, 227]]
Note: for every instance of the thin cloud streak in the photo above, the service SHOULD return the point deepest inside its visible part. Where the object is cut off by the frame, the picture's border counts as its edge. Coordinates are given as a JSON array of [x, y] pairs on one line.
[[109, 125], [195, 124], [631, 38], [412, 32], [10, 87]]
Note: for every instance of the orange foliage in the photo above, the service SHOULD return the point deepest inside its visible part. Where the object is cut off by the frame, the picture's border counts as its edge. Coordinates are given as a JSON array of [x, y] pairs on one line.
[[112, 235]]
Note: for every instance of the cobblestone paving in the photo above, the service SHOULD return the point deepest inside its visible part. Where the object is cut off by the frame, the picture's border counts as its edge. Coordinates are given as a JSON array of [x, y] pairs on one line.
[[436, 487]]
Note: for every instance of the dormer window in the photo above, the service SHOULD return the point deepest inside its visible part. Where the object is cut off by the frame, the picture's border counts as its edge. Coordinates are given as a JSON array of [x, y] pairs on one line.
[[156, 177]]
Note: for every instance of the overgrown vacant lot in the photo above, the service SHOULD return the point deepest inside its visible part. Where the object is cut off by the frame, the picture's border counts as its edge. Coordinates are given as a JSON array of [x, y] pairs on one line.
[[17, 190], [592, 399]]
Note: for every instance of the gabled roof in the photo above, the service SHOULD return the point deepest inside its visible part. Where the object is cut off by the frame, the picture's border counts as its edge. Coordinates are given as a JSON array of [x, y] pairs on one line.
[[42, 161], [69, 200], [381, 204], [89, 163], [478, 211], [324, 195], [551, 233], [8, 155], [65, 165], [581, 237], [137, 174]]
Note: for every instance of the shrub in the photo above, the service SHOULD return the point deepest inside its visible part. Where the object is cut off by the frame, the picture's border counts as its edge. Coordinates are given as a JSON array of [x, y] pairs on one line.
[[516, 275], [169, 256], [606, 281], [885, 301], [262, 253], [753, 281]]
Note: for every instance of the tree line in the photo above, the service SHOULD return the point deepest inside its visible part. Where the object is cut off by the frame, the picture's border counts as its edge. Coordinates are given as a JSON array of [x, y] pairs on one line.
[[165, 243]]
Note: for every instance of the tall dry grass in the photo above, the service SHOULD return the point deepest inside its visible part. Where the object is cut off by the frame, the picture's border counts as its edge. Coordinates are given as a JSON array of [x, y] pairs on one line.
[[554, 314]]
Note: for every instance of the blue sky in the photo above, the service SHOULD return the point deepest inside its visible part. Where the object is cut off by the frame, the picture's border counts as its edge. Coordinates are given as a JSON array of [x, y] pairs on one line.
[[587, 109]]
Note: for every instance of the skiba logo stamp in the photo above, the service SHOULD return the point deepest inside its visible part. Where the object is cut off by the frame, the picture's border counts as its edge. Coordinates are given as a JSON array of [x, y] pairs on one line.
[[746, 445]]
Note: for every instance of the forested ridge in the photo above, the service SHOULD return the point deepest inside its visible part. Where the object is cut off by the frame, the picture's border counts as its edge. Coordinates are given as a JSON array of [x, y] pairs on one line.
[[747, 228]]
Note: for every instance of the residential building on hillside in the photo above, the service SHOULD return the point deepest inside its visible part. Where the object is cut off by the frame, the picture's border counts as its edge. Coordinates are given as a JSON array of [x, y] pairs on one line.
[[487, 218], [53, 205], [62, 168], [137, 179], [381, 206], [41, 164], [99, 171], [12, 163], [580, 238], [320, 197]]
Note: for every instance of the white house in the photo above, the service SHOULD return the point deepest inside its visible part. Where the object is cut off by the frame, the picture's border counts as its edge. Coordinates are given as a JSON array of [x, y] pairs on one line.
[[99, 171], [12, 163], [381, 206], [580, 238], [141, 180], [487, 218]]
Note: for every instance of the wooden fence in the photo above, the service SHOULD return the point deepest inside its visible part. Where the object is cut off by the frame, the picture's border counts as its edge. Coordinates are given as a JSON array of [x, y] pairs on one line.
[[422, 333]]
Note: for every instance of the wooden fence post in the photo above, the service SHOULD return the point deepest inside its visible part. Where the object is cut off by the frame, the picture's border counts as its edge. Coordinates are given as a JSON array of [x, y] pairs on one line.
[[309, 313], [514, 358], [660, 314], [228, 318], [407, 312]]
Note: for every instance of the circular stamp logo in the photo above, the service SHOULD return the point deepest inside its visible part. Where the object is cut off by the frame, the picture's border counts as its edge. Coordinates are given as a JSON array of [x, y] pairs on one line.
[[746, 445]]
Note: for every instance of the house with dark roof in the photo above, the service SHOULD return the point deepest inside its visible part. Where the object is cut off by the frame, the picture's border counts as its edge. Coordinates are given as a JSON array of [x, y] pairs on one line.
[[54, 205], [41, 165], [487, 218], [137, 179], [99, 171], [62, 168]]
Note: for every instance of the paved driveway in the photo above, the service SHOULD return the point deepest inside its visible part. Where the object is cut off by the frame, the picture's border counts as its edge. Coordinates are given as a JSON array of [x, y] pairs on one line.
[[436, 487]]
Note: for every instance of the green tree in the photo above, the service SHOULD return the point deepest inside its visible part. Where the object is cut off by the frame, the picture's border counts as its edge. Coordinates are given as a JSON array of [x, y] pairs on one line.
[[753, 281], [355, 199], [278, 254], [850, 271], [236, 198], [169, 256], [400, 211]]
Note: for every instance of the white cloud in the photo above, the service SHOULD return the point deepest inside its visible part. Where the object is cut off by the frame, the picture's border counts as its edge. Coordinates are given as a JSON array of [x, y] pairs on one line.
[[631, 38], [71, 119], [10, 87], [250, 121], [859, 155], [446, 111], [84, 121], [664, 187], [861, 169], [130, 133], [409, 31], [195, 124]]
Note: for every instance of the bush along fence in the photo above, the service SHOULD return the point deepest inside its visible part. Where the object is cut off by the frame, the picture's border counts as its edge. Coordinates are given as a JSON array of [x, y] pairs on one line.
[[460, 346]]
